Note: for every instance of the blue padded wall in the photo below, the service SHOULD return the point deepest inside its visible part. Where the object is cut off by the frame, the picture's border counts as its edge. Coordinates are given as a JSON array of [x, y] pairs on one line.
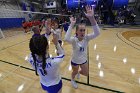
[[10, 22]]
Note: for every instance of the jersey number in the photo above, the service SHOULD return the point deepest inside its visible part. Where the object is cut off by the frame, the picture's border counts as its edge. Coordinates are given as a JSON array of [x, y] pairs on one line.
[[81, 49], [42, 72]]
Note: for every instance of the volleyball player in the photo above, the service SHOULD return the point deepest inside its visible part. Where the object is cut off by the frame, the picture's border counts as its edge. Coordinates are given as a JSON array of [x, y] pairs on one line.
[[79, 43], [25, 26], [46, 67], [48, 28], [36, 31], [48, 32], [56, 30]]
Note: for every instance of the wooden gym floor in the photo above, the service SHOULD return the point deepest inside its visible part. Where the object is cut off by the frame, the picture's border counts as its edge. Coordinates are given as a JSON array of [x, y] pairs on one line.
[[114, 63]]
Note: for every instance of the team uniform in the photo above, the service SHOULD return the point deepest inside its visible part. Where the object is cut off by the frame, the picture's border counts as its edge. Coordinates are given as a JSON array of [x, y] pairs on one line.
[[65, 26], [79, 55], [52, 81], [58, 33], [25, 26], [35, 35], [47, 35]]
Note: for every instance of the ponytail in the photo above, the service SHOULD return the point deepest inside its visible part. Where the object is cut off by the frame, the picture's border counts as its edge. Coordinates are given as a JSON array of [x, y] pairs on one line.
[[38, 45], [44, 63]]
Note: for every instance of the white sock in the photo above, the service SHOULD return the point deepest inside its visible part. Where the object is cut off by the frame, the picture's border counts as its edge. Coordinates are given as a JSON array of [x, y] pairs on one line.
[[74, 84]]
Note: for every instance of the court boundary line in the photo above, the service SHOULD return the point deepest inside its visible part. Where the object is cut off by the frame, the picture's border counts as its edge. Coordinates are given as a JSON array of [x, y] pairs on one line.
[[95, 86], [13, 45], [117, 34]]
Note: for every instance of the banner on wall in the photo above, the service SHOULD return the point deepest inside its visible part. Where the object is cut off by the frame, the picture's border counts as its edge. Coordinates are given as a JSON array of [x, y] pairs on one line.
[[114, 4], [50, 4], [72, 4], [24, 6], [32, 8]]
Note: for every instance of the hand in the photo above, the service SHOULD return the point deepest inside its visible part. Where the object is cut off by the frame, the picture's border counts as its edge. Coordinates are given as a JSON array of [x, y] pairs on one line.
[[90, 15], [72, 20], [89, 12]]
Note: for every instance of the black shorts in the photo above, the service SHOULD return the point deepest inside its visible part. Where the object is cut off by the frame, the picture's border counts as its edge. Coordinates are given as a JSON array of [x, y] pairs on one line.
[[74, 64]]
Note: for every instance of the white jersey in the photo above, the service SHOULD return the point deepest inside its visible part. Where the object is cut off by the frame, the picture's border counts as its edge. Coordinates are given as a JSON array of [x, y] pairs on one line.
[[58, 33], [79, 54], [47, 35], [52, 67]]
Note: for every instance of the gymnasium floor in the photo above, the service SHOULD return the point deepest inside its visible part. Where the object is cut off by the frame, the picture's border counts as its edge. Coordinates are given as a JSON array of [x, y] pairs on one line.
[[114, 63]]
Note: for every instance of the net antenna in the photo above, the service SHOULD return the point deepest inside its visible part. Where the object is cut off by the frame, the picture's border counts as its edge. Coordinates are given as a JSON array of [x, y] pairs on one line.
[[1, 34]]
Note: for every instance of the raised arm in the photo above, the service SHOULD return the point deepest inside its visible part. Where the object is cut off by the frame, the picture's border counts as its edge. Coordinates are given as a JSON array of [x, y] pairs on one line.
[[48, 26], [58, 59], [68, 34], [58, 47], [90, 15]]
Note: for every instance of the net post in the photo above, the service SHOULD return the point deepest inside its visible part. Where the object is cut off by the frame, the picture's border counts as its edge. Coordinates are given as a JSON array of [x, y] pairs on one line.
[[2, 33]]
